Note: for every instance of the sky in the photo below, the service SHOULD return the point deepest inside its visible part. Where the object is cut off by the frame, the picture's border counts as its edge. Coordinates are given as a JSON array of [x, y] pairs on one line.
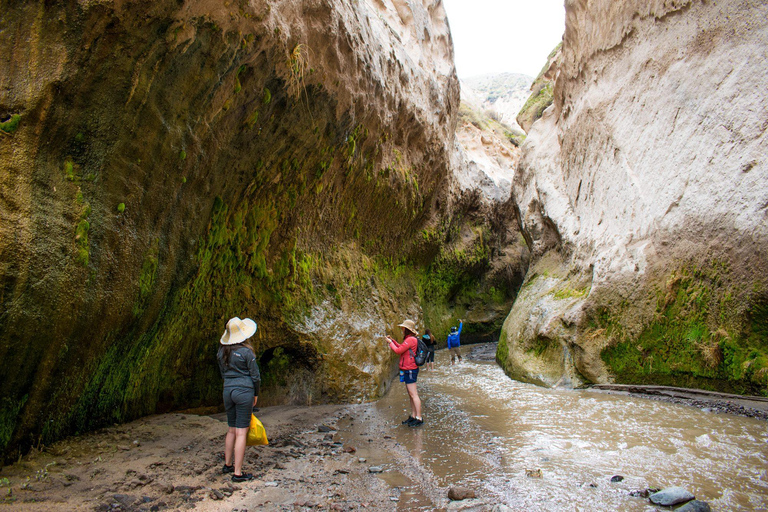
[[498, 36]]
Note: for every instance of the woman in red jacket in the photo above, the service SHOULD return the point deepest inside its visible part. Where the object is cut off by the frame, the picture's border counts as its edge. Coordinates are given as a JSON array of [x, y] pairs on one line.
[[408, 369]]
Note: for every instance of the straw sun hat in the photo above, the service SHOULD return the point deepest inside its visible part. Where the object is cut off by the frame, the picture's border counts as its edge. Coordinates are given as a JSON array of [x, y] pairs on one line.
[[238, 331], [410, 325]]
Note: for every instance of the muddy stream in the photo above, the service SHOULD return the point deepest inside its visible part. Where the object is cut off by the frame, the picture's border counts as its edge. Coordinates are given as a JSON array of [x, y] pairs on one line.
[[487, 432]]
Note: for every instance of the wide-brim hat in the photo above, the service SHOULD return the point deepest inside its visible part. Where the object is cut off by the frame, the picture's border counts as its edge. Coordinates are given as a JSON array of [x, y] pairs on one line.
[[410, 325], [238, 331]]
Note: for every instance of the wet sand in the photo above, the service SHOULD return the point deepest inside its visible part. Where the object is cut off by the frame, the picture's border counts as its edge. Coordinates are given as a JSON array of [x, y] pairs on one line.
[[174, 461]]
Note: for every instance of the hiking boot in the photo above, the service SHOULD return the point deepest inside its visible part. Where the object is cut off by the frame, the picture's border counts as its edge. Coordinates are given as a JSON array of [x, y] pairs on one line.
[[228, 469], [410, 419], [416, 423], [242, 478]]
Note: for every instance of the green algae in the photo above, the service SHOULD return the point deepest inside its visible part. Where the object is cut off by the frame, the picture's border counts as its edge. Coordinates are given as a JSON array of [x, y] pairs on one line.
[[82, 247], [146, 279], [69, 170], [120, 207], [695, 339], [11, 125]]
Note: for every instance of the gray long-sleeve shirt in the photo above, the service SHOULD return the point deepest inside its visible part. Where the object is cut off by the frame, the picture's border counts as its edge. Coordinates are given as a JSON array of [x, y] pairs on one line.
[[242, 371]]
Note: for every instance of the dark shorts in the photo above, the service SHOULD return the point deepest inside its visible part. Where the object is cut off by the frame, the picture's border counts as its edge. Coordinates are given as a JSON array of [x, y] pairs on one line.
[[430, 357], [239, 405], [409, 376]]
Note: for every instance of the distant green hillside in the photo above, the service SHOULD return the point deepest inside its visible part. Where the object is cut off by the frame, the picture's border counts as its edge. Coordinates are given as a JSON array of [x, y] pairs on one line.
[[493, 87]]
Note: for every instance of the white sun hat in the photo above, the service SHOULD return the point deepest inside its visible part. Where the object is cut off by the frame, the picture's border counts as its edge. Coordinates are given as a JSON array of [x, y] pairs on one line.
[[238, 331]]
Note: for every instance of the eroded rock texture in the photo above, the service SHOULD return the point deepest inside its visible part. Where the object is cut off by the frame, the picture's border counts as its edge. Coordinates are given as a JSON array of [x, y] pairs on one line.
[[643, 193], [167, 165]]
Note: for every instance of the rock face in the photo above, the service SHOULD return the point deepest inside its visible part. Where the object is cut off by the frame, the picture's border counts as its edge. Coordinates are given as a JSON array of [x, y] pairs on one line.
[[541, 93], [165, 166], [642, 193]]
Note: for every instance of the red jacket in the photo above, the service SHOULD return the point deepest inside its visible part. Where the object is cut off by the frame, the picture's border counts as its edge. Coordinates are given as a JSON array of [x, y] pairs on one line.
[[406, 349]]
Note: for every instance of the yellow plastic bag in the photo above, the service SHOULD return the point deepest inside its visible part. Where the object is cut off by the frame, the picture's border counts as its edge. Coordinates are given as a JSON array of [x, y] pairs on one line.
[[256, 433]]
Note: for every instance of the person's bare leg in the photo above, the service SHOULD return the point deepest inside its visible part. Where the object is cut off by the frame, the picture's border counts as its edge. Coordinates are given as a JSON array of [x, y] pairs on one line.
[[415, 400], [241, 435], [229, 446]]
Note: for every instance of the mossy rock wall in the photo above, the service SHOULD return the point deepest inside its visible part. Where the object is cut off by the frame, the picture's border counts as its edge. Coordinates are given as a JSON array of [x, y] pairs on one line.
[[697, 321], [165, 168], [644, 179]]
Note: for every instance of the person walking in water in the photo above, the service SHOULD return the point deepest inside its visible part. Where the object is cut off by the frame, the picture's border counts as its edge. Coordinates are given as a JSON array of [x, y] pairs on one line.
[[454, 343], [238, 367], [409, 371], [431, 342]]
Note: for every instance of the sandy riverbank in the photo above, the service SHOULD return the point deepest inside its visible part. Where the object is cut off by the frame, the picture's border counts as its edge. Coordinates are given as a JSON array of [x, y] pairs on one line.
[[173, 462]]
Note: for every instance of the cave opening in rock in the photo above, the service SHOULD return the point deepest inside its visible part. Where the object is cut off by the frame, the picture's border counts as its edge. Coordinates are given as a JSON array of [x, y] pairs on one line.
[[288, 375]]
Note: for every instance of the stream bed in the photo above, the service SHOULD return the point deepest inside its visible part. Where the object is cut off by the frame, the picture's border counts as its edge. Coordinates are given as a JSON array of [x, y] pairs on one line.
[[485, 431]]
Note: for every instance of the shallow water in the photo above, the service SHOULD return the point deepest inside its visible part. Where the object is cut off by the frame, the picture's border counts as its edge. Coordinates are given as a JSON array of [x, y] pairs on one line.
[[484, 431]]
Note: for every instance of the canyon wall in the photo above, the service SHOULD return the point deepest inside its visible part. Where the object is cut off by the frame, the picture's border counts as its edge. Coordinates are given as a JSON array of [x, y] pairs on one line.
[[643, 195], [167, 165]]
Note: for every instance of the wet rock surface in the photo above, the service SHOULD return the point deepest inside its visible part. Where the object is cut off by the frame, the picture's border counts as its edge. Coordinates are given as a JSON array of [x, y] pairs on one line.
[[695, 506], [484, 352], [671, 496], [461, 493]]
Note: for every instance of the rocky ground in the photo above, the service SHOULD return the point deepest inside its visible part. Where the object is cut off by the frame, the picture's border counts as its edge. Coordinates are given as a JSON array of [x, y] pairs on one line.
[[319, 458], [173, 462]]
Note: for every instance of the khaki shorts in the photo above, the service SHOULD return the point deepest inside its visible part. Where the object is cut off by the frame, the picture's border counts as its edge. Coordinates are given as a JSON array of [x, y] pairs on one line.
[[455, 352]]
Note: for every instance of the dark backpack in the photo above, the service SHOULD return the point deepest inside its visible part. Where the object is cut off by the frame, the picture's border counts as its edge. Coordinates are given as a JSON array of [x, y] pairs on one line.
[[420, 357]]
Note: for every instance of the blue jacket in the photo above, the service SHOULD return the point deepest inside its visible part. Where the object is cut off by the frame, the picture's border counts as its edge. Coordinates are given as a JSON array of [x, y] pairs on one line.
[[453, 338]]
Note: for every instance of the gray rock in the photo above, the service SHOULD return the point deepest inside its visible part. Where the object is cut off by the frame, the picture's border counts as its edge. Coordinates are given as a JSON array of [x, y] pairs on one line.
[[375, 469], [671, 496], [125, 499], [474, 505], [461, 493], [695, 506], [617, 478]]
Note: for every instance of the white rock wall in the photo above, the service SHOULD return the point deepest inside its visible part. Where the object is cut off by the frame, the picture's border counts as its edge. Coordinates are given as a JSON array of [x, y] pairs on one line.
[[655, 149]]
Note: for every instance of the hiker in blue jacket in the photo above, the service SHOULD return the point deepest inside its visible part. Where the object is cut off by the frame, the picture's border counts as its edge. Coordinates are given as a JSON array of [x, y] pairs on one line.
[[454, 343]]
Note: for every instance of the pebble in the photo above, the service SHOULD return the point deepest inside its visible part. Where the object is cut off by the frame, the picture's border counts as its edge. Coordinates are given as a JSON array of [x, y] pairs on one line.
[[617, 478], [461, 493], [361, 460], [695, 506], [324, 428], [644, 493], [375, 469], [473, 505], [671, 496], [270, 484]]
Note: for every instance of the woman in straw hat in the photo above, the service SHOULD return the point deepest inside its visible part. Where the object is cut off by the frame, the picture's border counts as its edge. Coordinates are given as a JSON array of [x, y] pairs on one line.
[[409, 371], [237, 364]]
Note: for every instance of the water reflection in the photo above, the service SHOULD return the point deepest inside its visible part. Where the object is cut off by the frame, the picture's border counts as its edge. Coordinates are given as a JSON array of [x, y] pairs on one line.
[[485, 431]]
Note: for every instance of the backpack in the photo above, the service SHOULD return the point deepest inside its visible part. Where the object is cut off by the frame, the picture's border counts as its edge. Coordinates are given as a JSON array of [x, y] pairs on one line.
[[420, 357]]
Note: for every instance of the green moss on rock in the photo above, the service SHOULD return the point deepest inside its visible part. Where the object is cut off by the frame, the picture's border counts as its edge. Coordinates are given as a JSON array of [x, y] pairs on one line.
[[10, 125], [696, 339]]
